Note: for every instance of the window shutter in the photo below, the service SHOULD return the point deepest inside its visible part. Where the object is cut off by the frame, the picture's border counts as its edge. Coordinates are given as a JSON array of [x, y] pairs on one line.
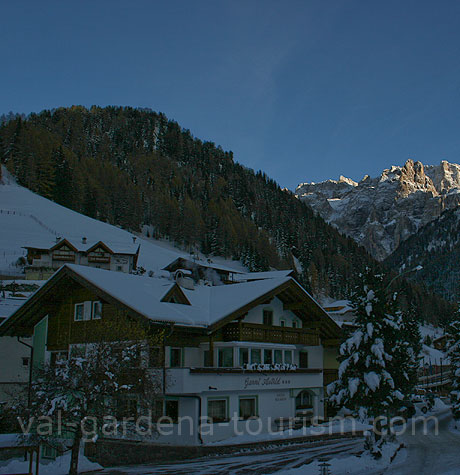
[[87, 310]]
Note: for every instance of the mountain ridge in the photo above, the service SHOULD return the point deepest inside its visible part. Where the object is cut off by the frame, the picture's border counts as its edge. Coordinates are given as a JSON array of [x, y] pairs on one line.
[[382, 212]]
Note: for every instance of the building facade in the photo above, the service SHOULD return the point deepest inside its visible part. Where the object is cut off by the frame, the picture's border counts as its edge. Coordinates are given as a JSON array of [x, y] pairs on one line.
[[236, 359], [44, 259]]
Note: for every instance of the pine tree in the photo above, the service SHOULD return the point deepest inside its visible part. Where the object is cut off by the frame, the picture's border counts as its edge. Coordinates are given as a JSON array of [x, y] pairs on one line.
[[454, 355], [366, 385]]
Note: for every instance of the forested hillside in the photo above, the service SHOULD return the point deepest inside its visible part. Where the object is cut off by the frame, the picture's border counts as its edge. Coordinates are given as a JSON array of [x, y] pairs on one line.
[[436, 247], [131, 167]]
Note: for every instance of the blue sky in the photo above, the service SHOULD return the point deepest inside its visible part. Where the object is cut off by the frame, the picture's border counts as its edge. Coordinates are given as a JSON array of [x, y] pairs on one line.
[[304, 90]]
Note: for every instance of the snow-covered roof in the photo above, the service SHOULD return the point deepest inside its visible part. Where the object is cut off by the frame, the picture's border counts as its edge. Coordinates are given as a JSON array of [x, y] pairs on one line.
[[209, 305], [143, 295], [115, 246], [338, 307], [190, 264], [9, 305], [276, 274]]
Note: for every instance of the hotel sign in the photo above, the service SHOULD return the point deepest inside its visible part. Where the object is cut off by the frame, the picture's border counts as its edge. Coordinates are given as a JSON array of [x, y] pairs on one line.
[[269, 367]]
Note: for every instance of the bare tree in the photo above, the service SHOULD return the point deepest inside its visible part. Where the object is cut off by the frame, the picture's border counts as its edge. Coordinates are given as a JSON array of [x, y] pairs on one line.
[[95, 388]]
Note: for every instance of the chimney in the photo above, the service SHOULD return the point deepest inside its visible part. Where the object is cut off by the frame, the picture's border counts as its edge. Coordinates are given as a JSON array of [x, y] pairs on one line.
[[58, 238], [83, 240], [134, 239]]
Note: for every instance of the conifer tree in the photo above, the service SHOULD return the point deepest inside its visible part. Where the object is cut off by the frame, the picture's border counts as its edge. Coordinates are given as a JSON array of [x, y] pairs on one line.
[[366, 385], [454, 355]]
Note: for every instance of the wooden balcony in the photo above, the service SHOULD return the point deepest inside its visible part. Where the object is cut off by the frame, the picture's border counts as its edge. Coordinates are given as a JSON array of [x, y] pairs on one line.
[[64, 256], [270, 334]]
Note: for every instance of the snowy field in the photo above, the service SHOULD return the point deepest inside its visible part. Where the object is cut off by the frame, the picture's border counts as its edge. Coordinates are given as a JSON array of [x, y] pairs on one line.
[[27, 218]]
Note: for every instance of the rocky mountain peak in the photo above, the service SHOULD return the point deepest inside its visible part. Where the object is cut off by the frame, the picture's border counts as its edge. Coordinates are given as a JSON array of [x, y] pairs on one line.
[[381, 212]]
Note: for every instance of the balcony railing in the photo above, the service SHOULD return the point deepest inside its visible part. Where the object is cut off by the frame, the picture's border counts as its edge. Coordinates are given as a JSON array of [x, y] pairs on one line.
[[270, 334]]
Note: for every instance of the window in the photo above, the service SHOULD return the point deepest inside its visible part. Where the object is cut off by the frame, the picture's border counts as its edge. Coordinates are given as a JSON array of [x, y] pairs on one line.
[[79, 311], [48, 452], [225, 358], [282, 323], [97, 310], [268, 356], [294, 324], [278, 356], [58, 356], [303, 359], [256, 356], [176, 358], [25, 362], [287, 356], [244, 356], [83, 311], [248, 407], [119, 269], [268, 317], [207, 358], [172, 409], [217, 410]]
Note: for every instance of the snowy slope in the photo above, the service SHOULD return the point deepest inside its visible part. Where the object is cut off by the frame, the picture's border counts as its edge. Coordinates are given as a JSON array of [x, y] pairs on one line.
[[27, 218]]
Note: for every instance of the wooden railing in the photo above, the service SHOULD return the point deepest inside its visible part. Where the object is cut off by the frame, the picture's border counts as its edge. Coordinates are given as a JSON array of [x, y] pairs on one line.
[[270, 334]]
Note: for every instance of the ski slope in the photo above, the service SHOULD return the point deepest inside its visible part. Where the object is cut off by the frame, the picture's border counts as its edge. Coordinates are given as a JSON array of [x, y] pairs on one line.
[[27, 218]]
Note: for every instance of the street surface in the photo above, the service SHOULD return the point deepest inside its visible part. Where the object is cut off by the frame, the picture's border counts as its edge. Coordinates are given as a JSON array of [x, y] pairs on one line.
[[250, 462]]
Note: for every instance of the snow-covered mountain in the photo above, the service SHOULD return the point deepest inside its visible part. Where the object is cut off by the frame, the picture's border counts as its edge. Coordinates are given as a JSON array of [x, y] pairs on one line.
[[382, 212], [27, 218]]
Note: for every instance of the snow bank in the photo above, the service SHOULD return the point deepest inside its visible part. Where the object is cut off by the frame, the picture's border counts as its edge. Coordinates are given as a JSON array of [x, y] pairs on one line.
[[60, 466]]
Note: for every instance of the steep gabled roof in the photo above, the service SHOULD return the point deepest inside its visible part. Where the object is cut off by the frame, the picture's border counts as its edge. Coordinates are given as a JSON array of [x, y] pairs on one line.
[[207, 308]]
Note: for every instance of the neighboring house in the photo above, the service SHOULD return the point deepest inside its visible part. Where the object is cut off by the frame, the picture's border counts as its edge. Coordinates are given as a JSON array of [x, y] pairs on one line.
[[44, 259], [14, 356], [440, 343], [254, 350], [341, 312], [215, 274]]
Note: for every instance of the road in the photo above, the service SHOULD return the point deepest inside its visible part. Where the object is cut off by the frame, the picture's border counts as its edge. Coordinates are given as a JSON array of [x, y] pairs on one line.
[[428, 453], [279, 458]]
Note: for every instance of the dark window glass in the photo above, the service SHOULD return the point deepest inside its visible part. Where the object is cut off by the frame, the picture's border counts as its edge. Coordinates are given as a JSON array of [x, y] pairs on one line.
[[268, 317], [217, 410], [172, 409], [248, 408], [303, 359], [207, 358], [176, 358], [256, 356], [225, 357], [268, 356], [244, 356], [278, 356]]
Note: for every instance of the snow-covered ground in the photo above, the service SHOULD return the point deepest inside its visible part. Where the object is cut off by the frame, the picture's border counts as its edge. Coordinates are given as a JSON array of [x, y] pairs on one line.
[[27, 218], [60, 466]]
